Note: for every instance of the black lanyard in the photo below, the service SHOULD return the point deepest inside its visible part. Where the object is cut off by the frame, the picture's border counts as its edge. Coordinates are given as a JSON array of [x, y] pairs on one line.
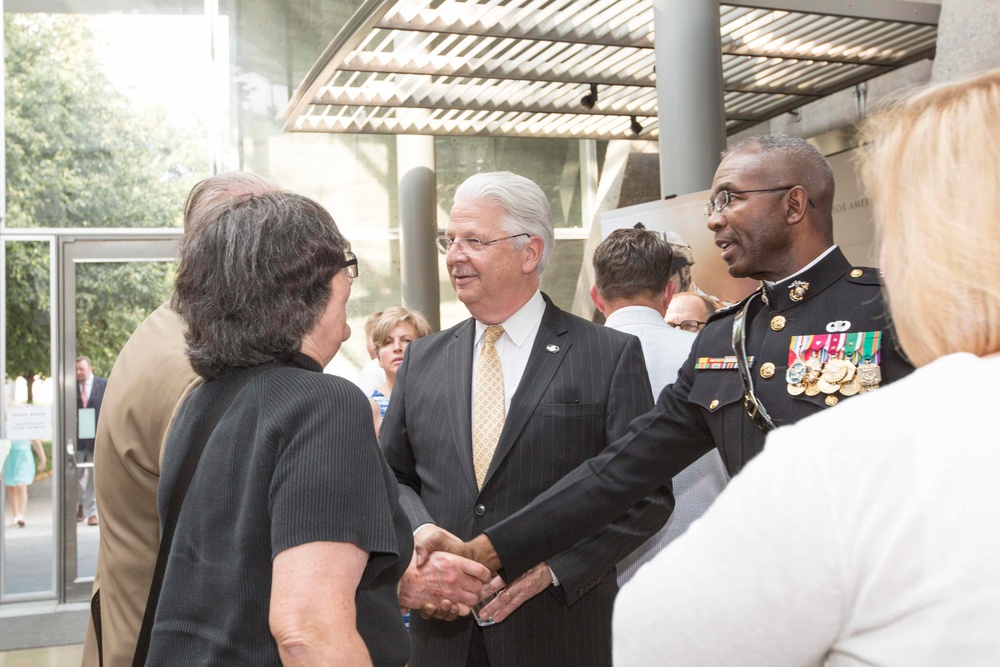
[[755, 409]]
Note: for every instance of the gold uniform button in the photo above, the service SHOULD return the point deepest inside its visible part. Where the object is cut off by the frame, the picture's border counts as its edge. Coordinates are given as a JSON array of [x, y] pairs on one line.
[[777, 323], [857, 273], [767, 370], [831, 400], [714, 404]]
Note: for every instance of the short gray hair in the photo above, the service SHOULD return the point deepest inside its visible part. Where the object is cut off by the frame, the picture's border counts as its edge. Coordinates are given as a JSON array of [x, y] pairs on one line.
[[213, 193], [526, 206], [798, 158], [255, 279]]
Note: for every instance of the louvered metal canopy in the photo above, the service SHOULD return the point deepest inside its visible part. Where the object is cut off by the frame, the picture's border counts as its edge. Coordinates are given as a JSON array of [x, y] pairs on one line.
[[523, 68]]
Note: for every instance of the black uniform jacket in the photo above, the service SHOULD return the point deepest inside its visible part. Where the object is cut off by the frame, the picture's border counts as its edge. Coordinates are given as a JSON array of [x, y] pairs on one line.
[[704, 407]]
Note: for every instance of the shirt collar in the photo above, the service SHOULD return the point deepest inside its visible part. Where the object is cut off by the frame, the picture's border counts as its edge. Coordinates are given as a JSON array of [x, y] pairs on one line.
[[519, 325], [804, 268], [635, 315], [306, 362], [807, 283]]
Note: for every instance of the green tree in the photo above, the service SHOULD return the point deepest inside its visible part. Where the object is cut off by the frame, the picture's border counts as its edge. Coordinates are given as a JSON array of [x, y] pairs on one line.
[[106, 314], [28, 326], [80, 154]]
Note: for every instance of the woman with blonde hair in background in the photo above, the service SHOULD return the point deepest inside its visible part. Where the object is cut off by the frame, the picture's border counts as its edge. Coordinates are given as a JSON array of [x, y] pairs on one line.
[[393, 331], [867, 535]]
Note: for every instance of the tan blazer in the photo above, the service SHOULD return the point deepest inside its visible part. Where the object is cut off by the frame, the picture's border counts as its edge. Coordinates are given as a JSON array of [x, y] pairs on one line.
[[149, 381]]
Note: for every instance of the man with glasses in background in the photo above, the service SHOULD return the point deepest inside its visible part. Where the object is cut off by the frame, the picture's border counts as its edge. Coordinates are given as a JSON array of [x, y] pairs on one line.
[[815, 333], [488, 414], [689, 311]]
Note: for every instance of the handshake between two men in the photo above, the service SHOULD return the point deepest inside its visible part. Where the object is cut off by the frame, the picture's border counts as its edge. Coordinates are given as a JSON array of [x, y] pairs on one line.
[[448, 578]]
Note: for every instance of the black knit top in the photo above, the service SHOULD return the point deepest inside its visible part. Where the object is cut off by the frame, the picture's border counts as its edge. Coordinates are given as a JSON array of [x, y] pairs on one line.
[[293, 460]]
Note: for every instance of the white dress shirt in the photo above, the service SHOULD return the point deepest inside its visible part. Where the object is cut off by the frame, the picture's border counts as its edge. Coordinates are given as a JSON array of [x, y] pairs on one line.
[[513, 347], [697, 486]]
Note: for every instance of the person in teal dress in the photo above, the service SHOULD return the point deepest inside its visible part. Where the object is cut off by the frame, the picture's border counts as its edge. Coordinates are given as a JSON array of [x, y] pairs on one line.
[[18, 472]]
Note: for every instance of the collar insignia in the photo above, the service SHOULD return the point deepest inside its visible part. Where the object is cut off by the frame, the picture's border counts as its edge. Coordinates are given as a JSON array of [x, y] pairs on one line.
[[797, 290]]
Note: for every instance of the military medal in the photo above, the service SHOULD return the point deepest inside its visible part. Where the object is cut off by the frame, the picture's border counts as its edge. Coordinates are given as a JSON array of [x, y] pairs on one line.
[[826, 386], [796, 371], [796, 367], [851, 387], [868, 373], [835, 371], [836, 362], [869, 377], [813, 369]]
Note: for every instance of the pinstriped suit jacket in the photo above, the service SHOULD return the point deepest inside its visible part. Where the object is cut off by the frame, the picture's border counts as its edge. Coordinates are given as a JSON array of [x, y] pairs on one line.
[[582, 386]]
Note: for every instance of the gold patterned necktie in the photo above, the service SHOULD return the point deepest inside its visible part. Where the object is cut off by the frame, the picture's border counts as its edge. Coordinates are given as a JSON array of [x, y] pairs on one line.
[[489, 402]]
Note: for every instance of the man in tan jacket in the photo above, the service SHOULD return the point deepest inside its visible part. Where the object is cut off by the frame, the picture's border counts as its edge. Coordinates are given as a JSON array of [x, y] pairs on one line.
[[147, 385]]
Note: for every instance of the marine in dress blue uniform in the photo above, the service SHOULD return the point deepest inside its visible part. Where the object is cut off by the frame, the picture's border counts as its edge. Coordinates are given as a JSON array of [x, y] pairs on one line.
[[834, 315], [815, 334]]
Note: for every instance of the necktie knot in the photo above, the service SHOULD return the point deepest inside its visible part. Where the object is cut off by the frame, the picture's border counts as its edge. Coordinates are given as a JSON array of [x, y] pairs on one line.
[[492, 334]]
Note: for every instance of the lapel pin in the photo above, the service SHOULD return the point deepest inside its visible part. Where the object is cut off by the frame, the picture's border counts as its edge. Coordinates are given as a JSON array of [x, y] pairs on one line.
[[552, 348]]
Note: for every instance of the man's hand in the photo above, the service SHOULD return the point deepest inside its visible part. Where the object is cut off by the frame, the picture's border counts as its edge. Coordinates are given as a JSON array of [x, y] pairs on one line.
[[449, 583], [525, 587], [433, 538]]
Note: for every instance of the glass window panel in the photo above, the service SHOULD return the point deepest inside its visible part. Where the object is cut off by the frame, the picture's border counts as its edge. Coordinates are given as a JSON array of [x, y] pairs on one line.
[[554, 164], [105, 118], [112, 299], [377, 287], [272, 48], [563, 271], [29, 549]]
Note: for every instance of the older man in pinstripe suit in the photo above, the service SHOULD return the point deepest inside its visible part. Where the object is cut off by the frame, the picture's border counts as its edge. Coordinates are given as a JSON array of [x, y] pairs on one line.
[[491, 412]]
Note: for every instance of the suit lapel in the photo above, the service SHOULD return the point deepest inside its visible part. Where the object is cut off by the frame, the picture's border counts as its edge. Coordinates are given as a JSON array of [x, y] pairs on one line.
[[458, 356], [547, 354]]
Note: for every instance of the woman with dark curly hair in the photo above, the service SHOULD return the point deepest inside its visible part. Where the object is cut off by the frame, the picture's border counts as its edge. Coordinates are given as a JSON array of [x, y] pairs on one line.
[[289, 542]]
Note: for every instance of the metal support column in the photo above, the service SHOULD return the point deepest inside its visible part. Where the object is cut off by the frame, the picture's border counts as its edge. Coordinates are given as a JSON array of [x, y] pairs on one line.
[[418, 225], [689, 93]]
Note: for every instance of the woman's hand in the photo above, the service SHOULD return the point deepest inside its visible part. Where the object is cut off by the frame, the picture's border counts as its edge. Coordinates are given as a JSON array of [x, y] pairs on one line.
[[40, 452]]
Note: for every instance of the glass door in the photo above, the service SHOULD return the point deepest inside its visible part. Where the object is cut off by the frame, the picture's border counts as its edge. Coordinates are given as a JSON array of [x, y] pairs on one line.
[[107, 287], [28, 532]]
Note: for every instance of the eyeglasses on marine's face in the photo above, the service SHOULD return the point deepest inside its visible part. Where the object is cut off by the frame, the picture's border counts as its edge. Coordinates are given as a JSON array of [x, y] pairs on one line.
[[471, 245], [351, 264], [725, 197], [694, 326]]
